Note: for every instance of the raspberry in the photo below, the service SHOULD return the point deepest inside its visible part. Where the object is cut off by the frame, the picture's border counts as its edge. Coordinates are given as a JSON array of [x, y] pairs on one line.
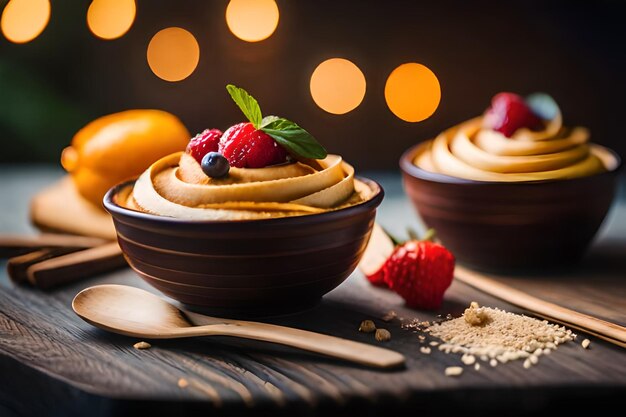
[[203, 143], [420, 272], [246, 147], [509, 112]]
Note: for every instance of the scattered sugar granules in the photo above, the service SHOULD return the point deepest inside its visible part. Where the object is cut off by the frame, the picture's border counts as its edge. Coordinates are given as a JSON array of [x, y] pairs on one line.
[[453, 371], [142, 345], [382, 335], [390, 315], [497, 336]]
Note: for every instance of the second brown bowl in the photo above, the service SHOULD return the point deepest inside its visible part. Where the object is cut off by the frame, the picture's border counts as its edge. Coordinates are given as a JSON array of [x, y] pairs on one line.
[[245, 268], [512, 227]]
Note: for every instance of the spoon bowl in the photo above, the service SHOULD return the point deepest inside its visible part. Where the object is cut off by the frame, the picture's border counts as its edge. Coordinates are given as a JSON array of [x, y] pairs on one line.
[[135, 312], [129, 311]]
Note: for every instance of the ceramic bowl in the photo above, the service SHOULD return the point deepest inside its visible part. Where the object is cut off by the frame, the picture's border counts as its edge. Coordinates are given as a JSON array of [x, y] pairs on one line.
[[245, 268], [506, 227]]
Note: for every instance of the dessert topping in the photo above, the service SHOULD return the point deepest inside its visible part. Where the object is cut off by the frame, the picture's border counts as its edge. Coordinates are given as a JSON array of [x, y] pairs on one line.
[[203, 143], [509, 112], [215, 165], [246, 147], [238, 145]]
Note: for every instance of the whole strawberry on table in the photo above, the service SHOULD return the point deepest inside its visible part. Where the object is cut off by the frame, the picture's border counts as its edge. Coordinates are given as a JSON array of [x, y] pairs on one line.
[[420, 271]]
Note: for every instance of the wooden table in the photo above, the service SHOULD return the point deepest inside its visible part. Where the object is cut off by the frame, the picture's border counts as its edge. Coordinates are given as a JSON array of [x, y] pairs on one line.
[[52, 363]]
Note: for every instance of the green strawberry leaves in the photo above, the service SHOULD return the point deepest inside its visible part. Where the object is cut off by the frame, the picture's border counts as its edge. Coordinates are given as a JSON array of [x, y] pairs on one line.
[[285, 132]]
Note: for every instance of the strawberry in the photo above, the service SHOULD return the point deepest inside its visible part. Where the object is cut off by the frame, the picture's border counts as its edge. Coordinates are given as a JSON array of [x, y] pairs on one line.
[[379, 248], [203, 143], [509, 112], [247, 147], [420, 272]]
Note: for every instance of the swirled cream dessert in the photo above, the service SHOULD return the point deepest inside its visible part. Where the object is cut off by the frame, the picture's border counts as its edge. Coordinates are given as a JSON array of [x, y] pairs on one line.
[[268, 167], [515, 140]]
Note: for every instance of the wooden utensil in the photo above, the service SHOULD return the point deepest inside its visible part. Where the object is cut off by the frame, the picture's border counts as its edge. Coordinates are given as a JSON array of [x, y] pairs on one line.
[[68, 268], [49, 260], [608, 331], [13, 245], [134, 312]]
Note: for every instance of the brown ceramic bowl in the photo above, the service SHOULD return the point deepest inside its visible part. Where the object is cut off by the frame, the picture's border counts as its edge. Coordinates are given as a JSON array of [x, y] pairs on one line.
[[508, 227], [245, 268]]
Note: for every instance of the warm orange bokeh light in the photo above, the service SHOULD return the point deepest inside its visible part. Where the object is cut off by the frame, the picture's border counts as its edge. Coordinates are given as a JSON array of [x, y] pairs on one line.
[[412, 92], [110, 19], [337, 86], [23, 20], [173, 54], [252, 20]]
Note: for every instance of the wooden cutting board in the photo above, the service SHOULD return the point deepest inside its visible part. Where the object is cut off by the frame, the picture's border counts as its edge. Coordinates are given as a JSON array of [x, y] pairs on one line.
[[60, 208]]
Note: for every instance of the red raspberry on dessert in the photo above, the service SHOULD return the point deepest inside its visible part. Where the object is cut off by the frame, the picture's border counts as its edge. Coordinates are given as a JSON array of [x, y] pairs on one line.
[[203, 143], [509, 112], [247, 147], [420, 272]]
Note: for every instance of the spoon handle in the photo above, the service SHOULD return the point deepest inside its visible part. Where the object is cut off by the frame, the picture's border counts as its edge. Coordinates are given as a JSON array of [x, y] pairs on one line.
[[315, 342]]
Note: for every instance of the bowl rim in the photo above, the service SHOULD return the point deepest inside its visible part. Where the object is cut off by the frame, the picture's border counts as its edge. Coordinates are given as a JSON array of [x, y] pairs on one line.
[[115, 209], [408, 168]]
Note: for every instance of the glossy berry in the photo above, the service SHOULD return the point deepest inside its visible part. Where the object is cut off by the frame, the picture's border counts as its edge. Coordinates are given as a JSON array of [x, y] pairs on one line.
[[420, 272], [509, 112], [246, 147], [203, 143], [215, 165]]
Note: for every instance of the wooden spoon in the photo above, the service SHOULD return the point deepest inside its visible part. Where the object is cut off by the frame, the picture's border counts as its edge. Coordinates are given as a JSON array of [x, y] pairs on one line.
[[134, 312]]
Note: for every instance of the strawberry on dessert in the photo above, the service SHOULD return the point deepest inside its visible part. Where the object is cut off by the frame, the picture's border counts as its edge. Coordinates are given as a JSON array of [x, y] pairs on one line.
[[258, 143], [247, 147], [203, 143], [508, 113]]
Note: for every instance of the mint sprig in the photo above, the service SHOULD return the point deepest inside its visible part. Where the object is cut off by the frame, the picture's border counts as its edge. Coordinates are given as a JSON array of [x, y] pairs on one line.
[[248, 104], [285, 132], [543, 105]]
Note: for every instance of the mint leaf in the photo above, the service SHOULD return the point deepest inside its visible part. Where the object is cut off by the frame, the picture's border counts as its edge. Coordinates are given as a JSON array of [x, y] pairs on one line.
[[543, 105], [248, 104], [267, 120], [295, 139]]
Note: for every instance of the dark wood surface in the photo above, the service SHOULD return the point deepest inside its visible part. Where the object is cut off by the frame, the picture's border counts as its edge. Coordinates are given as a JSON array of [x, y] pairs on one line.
[[54, 364]]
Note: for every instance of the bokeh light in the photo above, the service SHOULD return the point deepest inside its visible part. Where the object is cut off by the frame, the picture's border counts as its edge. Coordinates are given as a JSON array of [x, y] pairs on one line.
[[337, 86], [23, 20], [412, 92], [252, 20], [110, 19], [173, 54]]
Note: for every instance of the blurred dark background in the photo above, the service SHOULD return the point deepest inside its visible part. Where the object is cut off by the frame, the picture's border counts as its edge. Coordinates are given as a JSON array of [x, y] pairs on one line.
[[574, 50]]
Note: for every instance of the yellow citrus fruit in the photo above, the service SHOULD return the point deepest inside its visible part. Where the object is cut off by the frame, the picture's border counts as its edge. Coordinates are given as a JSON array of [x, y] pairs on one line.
[[119, 147]]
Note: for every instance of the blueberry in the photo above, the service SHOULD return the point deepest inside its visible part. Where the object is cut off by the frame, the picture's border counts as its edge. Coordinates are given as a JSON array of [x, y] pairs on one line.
[[215, 165]]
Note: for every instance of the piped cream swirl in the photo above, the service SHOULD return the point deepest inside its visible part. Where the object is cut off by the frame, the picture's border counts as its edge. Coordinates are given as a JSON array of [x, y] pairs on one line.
[[175, 186], [472, 151]]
